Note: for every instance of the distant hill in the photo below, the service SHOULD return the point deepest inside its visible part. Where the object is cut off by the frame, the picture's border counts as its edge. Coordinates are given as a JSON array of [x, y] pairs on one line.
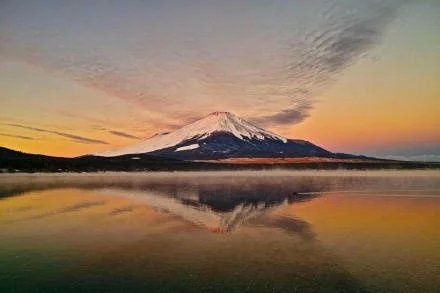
[[11, 160], [14, 161]]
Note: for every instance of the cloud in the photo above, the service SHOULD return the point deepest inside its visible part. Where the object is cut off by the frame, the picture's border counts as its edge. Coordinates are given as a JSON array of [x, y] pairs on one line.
[[123, 134], [342, 39], [121, 210], [293, 115], [270, 67], [17, 136], [75, 138]]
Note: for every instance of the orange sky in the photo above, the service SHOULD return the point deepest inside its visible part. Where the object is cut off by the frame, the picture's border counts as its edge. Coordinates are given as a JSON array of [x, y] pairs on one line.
[[385, 98]]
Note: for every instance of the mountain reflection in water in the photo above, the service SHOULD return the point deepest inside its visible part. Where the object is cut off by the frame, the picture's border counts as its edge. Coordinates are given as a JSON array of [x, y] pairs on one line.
[[217, 205], [217, 232]]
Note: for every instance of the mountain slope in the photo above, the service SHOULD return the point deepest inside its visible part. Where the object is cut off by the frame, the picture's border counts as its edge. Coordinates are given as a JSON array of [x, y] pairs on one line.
[[11, 160], [221, 135]]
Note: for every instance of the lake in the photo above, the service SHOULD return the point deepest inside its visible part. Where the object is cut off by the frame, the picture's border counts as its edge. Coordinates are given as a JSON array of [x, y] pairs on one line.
[[274, 231]]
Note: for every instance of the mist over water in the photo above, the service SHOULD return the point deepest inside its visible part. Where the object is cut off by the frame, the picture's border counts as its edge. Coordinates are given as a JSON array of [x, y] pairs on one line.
[[280, 231]]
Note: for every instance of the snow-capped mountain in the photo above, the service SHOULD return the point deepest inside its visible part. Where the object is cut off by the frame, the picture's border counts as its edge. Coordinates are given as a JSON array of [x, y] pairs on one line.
[[221, 135]]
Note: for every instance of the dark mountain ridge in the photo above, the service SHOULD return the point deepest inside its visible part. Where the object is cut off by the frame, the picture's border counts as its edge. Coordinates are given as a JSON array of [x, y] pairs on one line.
[[15, 161]]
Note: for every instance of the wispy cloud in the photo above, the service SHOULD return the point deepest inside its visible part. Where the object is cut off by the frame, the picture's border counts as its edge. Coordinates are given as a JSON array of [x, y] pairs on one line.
[[347, 32], [271, 60], [73, 137], [17, 136], [123, 134], [121, 210], [297, 113]]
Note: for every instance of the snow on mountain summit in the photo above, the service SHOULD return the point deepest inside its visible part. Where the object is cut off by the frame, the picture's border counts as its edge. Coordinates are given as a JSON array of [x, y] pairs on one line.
[[216, 122], [230, 123]]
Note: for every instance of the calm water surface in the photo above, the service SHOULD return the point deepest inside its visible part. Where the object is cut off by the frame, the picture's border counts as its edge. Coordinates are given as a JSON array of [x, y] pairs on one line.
[[221, 232]]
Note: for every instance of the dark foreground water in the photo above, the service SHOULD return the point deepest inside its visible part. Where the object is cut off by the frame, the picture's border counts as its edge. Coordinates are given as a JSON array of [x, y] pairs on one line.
[[221, 232]]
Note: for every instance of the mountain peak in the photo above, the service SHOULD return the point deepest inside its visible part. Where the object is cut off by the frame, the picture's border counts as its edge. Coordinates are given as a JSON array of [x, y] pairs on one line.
[[220, 113], [230, 123], [215, 122]]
